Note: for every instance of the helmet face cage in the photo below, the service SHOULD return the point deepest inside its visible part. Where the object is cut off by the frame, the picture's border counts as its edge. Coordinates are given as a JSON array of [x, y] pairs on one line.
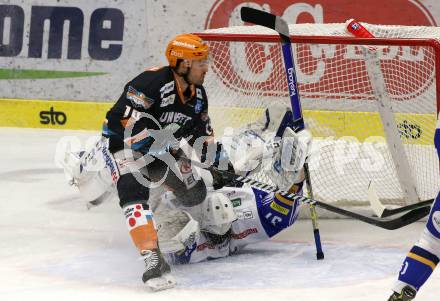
[[186, 47], [218, 214]]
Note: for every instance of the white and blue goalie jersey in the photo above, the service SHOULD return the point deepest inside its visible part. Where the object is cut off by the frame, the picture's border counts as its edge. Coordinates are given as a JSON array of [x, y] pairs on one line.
[[260, 216]]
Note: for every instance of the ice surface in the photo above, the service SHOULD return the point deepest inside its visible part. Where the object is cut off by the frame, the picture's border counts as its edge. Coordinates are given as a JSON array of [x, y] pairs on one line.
[[53, 248]]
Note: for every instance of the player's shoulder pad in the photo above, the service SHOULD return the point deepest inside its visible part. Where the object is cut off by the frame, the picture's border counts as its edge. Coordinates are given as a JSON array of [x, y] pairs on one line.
[[150, 82], [154, 76]]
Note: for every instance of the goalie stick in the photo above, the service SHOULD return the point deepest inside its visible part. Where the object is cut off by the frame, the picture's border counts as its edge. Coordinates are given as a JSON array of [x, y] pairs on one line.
[[297, 122], [389, 224]]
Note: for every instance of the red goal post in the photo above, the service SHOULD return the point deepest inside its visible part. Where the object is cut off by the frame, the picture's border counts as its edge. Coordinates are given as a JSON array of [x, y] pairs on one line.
[[339, 100]]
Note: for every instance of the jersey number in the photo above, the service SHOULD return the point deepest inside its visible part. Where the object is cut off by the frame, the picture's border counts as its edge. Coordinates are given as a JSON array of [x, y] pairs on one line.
[[130, 112]]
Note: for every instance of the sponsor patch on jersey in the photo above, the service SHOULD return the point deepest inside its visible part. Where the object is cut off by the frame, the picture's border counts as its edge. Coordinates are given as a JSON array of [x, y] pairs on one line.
[[236, 202], [198, 107], [199, 93], [205, 245], [169, 100], [138, 99], [279, 208], [245, 233], [167, 88], [174, 117], [246, 214]]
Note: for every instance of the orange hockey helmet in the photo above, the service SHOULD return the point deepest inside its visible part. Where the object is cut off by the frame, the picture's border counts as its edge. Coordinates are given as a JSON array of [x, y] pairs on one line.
[[186, 47]]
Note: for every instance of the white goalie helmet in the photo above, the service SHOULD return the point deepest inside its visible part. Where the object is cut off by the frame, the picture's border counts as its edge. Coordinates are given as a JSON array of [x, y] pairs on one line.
[[217, 214]]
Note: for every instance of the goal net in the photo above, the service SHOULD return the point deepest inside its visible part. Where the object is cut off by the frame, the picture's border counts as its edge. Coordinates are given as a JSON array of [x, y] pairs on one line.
[[372, 118]]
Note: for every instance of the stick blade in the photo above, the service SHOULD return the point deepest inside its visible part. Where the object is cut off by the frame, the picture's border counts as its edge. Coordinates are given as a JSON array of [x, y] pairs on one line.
[[375, 203], [258, 17], [406, 219]]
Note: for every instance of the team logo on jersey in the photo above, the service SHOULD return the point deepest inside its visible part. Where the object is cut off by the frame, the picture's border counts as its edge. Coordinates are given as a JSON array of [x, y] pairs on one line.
[[198, 106], [167, 88], [168, 100], [138, 99]]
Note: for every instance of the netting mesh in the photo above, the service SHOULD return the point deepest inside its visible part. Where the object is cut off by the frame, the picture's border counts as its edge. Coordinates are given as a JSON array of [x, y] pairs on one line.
[[339, 100]]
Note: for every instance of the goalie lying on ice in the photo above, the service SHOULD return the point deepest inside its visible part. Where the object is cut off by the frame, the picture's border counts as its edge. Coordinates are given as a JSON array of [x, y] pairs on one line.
[[227, 220], [230, 217]]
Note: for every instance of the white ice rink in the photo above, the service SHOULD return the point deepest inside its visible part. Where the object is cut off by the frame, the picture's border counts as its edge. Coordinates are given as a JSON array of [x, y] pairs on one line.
[[53, 248]]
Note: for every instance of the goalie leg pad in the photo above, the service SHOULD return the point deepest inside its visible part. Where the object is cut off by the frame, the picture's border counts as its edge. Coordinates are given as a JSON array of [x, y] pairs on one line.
[[93, 171], [176, 230]]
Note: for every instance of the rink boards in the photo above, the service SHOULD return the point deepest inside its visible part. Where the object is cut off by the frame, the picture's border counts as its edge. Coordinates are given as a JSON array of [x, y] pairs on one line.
[[413, 128]]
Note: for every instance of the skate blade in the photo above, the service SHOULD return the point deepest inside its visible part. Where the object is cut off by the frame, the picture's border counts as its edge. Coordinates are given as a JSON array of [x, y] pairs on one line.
[[161, 283]]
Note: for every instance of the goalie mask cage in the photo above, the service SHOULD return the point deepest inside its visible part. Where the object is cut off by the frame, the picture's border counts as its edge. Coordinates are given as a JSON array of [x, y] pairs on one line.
[[369, 124]]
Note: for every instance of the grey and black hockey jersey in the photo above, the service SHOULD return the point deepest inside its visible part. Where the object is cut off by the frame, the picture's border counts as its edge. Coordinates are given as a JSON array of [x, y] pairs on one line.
[[154, 100]]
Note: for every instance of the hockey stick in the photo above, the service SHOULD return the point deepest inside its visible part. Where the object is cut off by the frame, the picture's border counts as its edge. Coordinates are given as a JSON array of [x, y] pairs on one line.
[[389, 212], [389, 224], [297, 123], [381, 211], [313, 215]]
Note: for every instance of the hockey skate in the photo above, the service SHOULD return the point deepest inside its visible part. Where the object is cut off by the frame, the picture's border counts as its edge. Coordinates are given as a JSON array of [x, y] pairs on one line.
[[157, 275], [408, 293]]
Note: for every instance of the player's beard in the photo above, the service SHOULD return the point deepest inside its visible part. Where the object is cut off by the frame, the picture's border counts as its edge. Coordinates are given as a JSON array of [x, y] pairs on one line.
[[194, 80], [198, 81]]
